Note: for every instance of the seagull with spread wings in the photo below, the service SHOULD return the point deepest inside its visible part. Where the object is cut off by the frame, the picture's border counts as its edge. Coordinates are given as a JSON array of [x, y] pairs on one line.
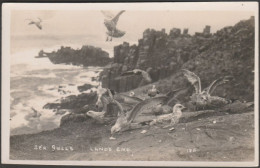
[[108, 97], [146, 78], [36, 23], [111, 23], [202, 98], [104, 100], [142, 112]]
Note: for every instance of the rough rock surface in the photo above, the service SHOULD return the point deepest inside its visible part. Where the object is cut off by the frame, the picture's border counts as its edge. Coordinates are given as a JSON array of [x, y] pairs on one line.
[[229, 51], [86, 56], [84, 87], [227, 135]]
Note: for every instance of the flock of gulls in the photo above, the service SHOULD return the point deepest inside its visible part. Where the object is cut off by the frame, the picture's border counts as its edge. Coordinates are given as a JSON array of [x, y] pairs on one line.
[[163, 110], [157, 109], [110, 23]]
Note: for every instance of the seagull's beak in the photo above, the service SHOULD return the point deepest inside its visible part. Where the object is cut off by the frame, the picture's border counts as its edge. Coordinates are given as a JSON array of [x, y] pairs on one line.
[[184, 107]]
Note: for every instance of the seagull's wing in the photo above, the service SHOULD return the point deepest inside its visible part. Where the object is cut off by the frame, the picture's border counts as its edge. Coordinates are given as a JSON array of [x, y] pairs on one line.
[[108, 15], [127, 99], [214, 84], [34, 110], [146, 106], [39, 26], [105, 102], [40, 20], [127, 73], [115, 19], [110, 94], [146, 77], [193, 79], [174, 93], [121, 109], [31, 22]]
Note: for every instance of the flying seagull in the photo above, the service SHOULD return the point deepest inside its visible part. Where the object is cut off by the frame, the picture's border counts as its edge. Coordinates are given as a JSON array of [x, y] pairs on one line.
[[202, 98], [36, 22], [145, 75], [125, 120], [110, 23]]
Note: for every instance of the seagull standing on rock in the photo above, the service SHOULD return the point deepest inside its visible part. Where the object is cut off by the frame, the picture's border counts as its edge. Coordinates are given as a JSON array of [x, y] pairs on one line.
[[173, 117]]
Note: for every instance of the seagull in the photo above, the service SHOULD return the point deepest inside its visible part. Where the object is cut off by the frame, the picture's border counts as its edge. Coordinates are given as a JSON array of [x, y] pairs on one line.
[[142, 109], [203, 98], [173, 118], [162, 109], [36, 22], [100, 92], [145, 75], [110, 23], [131, 94], [153, 92], [35, 114], [100, 116]]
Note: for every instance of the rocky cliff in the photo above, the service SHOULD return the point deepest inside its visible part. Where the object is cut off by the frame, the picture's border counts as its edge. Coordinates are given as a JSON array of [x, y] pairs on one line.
[[86, 56], [229, 51]]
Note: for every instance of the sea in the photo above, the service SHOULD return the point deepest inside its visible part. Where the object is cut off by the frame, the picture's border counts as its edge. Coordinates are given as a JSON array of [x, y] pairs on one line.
[[36, 81]]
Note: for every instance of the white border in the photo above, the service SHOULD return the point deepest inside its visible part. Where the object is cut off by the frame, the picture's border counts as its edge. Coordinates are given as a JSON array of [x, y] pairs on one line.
[[180, 6]]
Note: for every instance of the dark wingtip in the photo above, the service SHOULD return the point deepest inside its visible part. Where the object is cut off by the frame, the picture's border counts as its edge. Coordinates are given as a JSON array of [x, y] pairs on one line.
[[112, 91]]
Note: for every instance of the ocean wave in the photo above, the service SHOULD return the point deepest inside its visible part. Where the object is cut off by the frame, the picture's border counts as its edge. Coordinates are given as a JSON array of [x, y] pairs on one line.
[[23, 116]]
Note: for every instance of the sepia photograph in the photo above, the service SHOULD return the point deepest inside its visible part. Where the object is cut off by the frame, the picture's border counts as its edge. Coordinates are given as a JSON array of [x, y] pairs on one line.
[[159, 84]]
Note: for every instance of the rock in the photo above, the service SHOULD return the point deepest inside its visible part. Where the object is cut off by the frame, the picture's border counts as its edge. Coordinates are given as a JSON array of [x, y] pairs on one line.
[[72, 117], [84, 87], [166, 54], [206, 30], [86, 56], [75, 102], [185, 31]]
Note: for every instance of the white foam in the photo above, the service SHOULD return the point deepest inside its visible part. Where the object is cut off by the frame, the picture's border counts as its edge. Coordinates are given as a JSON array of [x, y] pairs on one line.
[[69, 77]]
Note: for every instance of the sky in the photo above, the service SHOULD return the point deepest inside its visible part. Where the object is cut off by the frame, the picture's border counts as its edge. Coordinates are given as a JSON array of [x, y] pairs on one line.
[[89, 23]]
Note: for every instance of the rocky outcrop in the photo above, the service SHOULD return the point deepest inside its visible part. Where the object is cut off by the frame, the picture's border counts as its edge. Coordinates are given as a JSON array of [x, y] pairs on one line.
[[77, 104], [229, 51], [84, 87], [86, 56]]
